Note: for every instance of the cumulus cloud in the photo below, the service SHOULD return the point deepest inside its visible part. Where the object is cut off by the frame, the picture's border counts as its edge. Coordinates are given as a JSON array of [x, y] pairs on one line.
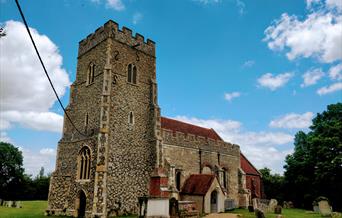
[[311, 77], [25, 93], [257, 146], [44, 121], [319, 35], [137, 17], [232, 95], [335, 72], [330, 89], [47, 152], [274, 82], [293, 121], [34, 160]]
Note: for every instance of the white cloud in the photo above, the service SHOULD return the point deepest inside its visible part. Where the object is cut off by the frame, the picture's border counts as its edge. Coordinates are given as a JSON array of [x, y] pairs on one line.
[[335, 72], [319, 35], [137, 17], [43, 121], [248, 64], [259, 147], [115, 4], [25, 93], [232, 95], [33, 160], [274, 82], [47, 152], [330, 89], [311, 77], [293, 121]]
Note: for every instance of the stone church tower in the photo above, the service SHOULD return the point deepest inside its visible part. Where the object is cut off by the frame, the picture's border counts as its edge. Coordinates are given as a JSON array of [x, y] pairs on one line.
[[118, 144], [105, 166]]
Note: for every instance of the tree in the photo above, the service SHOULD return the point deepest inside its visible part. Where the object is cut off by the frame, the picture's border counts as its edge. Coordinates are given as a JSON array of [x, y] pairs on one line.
[[11, 170], [273, 184], [315, 167]]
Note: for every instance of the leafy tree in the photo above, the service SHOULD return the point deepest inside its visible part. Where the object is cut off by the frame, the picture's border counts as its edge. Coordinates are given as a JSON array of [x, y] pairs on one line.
[[273, 184], [11, 170], [315, 167]]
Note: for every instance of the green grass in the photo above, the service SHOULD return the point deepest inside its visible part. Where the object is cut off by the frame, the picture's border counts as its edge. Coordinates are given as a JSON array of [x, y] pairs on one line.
[[287, 213], [35, 209], [30, 209]]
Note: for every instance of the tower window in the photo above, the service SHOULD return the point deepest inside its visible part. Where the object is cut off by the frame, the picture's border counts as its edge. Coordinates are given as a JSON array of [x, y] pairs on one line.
[[132, 74], [91, 73], [84, 158], [178, 180], [131, 118], [86, 122], [225, 179]]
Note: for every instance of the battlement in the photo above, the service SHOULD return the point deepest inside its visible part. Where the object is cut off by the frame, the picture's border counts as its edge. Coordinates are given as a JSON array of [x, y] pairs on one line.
[[199, 142], [111, 30]]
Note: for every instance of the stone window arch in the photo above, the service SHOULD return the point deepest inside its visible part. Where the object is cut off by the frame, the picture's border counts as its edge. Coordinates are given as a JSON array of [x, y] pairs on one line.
[[91, 73], [84, 161], [132, 74]]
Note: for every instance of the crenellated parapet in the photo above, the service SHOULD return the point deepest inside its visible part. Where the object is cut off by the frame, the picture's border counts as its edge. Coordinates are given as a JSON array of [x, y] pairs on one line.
[[125, 36], [199, 142]]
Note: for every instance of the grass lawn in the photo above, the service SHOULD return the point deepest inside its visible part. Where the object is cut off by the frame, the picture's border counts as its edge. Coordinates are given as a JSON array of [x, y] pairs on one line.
[[287, 213], [30, 209], [35, 209]]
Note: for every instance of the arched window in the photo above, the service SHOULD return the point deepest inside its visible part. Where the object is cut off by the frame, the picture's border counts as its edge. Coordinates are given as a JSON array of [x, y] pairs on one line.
[[132, 74], [91, 73], [178, 180], [84, 159]]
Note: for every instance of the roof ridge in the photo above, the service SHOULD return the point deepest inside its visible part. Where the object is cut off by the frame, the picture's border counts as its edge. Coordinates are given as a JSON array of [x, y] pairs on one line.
[[188, 123]]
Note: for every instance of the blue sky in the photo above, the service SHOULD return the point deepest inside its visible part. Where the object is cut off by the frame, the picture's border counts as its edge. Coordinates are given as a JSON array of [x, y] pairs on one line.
[[255, 71]]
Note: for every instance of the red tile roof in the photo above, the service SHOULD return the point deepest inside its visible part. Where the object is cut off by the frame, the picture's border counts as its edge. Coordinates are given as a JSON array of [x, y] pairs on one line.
[[176, 125], [247, 166], [198, 184]]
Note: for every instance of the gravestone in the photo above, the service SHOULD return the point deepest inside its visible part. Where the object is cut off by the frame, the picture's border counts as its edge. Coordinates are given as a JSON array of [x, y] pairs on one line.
[[324, 208], [18, 205], [259, 213], [9, 203], [271, 206], [277, 209]]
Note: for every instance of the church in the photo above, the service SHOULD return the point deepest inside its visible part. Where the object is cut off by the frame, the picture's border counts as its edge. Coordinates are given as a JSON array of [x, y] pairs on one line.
[[117, 148]]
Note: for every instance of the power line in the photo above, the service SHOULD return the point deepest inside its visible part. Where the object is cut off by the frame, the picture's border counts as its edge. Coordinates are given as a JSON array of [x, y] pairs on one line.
[[46, 73]]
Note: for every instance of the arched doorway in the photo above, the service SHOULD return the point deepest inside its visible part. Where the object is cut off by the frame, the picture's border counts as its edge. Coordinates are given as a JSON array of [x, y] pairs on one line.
[[81, 207], [213, 202]]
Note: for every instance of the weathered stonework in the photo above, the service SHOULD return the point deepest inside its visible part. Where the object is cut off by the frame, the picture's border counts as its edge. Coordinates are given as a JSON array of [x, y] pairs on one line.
[[124, 152]]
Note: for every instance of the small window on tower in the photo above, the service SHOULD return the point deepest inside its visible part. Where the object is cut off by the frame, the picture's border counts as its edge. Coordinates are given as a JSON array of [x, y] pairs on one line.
[[131, 118], [132, 73], [91, 74], [86, 122]]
